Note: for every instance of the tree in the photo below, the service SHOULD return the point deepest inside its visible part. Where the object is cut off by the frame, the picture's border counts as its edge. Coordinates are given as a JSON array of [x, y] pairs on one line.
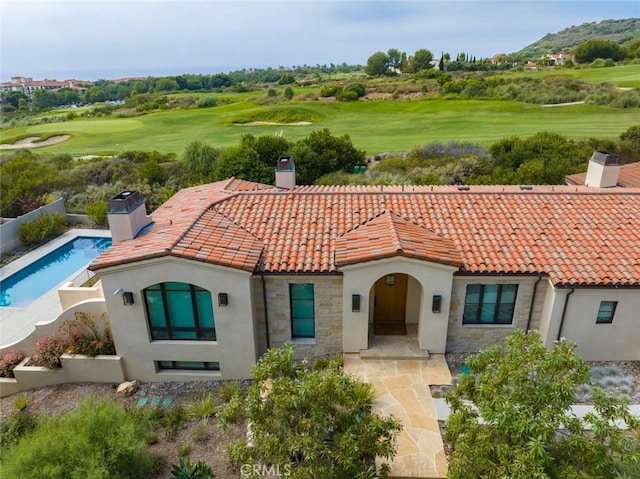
[[200, 158], [396, 59], [598, 48], [377, 64], [321, 153], [422, 60], [510, 417], [311, 420]]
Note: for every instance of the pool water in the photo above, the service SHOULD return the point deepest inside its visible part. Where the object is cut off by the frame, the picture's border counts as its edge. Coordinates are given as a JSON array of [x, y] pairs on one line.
[[25, 286]]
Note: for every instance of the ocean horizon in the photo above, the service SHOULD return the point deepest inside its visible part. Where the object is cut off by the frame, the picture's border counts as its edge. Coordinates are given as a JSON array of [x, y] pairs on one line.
[[115, 73]]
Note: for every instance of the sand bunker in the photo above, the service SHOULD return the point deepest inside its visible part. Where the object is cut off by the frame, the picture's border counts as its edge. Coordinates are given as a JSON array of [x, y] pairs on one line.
[[32, 142], [258, 123]]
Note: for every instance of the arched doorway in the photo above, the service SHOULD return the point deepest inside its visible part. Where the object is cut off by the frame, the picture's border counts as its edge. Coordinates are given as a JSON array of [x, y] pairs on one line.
[[390, 304]]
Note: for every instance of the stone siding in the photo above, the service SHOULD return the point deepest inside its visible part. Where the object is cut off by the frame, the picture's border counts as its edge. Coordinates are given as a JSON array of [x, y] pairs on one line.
[[327, 292], [473, 338]]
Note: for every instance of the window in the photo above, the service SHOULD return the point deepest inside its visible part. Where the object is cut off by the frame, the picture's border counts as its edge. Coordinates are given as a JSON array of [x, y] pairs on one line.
[[302, 311], [179, 311], [606, 312], [489, 303], [189, 365]]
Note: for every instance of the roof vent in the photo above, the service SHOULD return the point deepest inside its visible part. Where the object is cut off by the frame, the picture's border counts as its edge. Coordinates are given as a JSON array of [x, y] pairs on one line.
[[285, 173], [463, 187], [603, 170], [526, 187]]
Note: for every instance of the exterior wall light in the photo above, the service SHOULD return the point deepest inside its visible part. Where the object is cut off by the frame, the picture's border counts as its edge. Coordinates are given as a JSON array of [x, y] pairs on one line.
[[355, 303], [127, 298], [436, 304], [223, 299]]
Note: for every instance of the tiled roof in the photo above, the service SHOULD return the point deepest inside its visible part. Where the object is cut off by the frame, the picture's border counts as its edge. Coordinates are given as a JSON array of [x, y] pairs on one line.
[[576, 235], [388, 235], [628, 177]]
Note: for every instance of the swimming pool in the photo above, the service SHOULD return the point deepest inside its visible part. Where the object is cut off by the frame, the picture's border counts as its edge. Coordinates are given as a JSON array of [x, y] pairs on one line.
[[25, 286]]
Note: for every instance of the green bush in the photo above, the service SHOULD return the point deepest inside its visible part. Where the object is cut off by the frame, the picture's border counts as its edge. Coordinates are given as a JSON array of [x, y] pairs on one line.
[[13, 427], [98, 211], [206, 102], [347, 95], [45, 227], [99, 440], [203, 407], [329, 90], [190, 470]]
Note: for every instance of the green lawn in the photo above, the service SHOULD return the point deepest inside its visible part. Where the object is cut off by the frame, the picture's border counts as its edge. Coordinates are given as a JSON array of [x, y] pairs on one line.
[[374, 126]]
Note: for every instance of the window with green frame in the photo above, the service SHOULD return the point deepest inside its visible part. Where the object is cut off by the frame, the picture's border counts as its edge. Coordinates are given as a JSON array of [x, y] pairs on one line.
[[302, 310], [189, 365], [179, 311], [489, 303], [606, 312]]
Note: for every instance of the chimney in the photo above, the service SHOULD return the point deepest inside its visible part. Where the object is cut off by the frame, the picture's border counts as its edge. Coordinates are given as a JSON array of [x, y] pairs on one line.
[[603, 170], [285, 173], [127, 215]]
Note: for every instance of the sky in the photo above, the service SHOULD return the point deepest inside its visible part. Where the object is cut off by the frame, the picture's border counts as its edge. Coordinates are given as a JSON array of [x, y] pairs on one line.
[[92, 39]]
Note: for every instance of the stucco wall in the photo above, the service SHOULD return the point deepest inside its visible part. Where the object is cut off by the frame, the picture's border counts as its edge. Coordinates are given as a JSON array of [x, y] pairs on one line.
[[617, 341], [425, 280], [472, 338], [235, 347], [327, 292]]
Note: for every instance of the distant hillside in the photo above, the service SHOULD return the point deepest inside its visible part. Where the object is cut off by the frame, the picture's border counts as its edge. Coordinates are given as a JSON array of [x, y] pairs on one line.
[[621, 31]]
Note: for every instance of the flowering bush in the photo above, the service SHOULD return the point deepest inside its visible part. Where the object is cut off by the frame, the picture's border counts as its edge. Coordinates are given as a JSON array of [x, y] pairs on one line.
[[83, 336], [8, 361], [47, 352]]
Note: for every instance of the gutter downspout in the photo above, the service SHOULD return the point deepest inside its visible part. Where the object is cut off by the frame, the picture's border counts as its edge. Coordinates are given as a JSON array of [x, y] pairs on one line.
[[533, 299], [266, 311], [564, 313]]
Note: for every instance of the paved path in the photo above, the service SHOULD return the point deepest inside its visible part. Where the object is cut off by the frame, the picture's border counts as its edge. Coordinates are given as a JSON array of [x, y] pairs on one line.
[[402, 389]]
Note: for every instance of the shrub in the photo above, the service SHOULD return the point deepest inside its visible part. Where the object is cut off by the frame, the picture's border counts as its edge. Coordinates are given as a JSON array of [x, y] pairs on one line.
[[43, 228], [203, 407], [98, 211], [190, 470], [329, 90], [271, 92], [347, 95], [288, 93], [8, 361], [99, 440], [47, 352], [21, 402], [83, 336], [357, 87], [13, 427], [206, 102]]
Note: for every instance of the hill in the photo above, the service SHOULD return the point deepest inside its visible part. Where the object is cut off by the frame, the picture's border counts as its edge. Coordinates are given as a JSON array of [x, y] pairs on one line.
[[620, 31]]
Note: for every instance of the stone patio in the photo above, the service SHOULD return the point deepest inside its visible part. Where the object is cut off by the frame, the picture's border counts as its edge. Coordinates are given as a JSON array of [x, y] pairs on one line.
[[402, 389]]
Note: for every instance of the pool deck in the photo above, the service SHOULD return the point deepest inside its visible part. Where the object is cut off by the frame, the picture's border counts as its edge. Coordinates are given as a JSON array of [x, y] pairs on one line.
[[18, 323]]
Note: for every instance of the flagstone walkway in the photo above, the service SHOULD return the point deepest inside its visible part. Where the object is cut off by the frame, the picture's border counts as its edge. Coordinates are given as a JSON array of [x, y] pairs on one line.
[[402, 389]]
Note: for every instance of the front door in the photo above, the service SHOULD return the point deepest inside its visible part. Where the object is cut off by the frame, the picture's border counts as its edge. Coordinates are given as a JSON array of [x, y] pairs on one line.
[[389, 304]]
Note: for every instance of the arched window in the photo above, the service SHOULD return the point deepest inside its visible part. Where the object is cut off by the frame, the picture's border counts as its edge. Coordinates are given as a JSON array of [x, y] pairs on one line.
[[179, 311]]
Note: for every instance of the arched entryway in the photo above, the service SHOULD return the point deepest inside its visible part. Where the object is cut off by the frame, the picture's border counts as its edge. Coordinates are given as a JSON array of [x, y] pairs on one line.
[[390, 305]]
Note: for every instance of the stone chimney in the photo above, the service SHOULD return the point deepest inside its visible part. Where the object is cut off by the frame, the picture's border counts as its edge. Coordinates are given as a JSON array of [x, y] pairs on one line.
[[127, 215], [603, 170], [285, 173]]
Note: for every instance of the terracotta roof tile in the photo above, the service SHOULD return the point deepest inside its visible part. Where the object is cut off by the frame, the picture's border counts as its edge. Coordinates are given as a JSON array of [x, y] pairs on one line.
[[576, 235], [388, 235]]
